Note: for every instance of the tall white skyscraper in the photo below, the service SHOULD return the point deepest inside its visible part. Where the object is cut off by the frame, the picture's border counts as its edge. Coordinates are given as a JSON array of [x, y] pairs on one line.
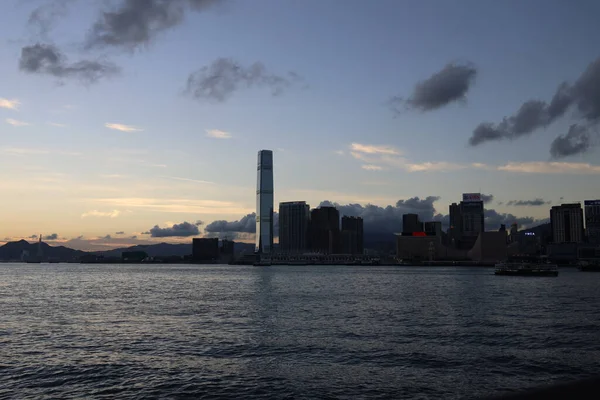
[[264, 202]]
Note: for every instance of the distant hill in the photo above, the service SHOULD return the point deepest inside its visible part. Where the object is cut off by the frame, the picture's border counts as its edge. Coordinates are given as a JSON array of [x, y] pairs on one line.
[[168, 249], [12, 251]]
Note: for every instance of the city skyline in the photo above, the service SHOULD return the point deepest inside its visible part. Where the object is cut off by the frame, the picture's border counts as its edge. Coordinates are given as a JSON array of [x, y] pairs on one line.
[[118, 139]]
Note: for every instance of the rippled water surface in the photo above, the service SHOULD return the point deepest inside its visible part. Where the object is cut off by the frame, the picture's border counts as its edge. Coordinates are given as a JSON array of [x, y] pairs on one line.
[[174, 331]]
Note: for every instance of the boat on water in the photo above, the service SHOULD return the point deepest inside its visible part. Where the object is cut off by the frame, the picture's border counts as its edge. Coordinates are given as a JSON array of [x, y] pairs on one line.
[[589, 266], [526, 267]]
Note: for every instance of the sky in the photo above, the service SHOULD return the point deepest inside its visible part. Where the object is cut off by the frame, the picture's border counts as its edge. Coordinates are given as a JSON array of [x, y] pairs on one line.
[[128, 121]]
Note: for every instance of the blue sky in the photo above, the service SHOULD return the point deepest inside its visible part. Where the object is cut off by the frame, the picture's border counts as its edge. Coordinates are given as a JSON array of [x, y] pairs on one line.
[[66, 172]]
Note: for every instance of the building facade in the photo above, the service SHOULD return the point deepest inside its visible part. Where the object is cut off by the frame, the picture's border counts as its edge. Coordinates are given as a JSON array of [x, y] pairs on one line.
[[205, 249], [264, 202], [567, 223], [294, 217], [324, 230], [472, 215], [352, 235], [411, 223], [592, 220]]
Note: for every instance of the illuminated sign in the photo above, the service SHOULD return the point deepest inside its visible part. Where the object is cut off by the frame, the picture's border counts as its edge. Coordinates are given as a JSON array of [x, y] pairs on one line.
[[529, 233], [470, 197], [592, 202]]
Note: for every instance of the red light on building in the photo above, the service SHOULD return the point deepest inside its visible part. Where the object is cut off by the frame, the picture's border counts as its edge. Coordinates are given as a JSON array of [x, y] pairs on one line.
[[419, 234]]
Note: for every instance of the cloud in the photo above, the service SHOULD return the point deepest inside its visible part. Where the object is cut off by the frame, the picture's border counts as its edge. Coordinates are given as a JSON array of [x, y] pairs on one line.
[[123, 128], [578, 140], [57, 125], [107, 237], [217, 134], [175, 205], [339, 152], [219, 80], [542, 167], [96, 213], [47, 59], [189, 180], [119, 233], [183, 229], [16, 123], [373, 149], [487, 198], [493, 220], [53, 236], [133, 237], [43, 18], [584, 94], [370, 167], [440, 166], [442, 88], [535, 202], [388, 219], [246, 224], [136, 23], [10, 104]]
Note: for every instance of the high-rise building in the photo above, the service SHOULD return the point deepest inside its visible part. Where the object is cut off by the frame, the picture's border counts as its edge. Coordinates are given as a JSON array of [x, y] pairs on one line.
[[567, 223], [411, 223], [433, 228], [205, 249], [324, 230], [294, 217], [472, 215], [352, 235], [592, 220], [264, 202], [455, 229]]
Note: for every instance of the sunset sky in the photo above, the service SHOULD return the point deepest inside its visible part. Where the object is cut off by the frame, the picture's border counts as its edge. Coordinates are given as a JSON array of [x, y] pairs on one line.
[[120, 116]]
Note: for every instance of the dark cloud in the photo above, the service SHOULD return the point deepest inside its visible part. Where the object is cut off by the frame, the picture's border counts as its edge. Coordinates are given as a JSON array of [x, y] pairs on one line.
[[487, 198], [119, 233], [578, 140], [388, 219], [442, 88], [33, 237], [246, 224], [136, 23], [53, 236], [535, 202], [219, 80], [48, 59], [133, 237], [43, 17], [107, 237], [494, 219], [584, 94], [183, 229]]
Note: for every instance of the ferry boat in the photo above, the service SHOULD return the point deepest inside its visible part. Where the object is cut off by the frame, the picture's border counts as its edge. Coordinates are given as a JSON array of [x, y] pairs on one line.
[[526, 267]]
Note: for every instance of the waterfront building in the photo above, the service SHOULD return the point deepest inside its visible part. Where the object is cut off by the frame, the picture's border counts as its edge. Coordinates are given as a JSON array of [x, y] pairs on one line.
[[592, 220], [352, 235], [411, 223], [567, 223], [294, 217], [324, 230], [205, 249], [264, 202]]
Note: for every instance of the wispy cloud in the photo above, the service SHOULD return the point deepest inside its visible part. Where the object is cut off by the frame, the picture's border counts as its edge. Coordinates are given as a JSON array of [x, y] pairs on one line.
[[23, 151], [542, 167], [96, 213], [373, 149], [122, 127], [218, 134], [339, 152], [189, 180], [57, 125], [112, 176], [9, 104], [440, 166], [16, 123], [174, 205], [370, 167]]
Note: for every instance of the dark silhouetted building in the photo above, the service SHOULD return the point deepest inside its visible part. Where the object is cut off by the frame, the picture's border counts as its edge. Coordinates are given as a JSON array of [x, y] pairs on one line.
[[205, 249], [411, 223], [592, 220], [264, 202], [433, 228], [352, 235], [567, 223], [294, 217], [472, 215], [227, 251], [455, 229], [324, 230]]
